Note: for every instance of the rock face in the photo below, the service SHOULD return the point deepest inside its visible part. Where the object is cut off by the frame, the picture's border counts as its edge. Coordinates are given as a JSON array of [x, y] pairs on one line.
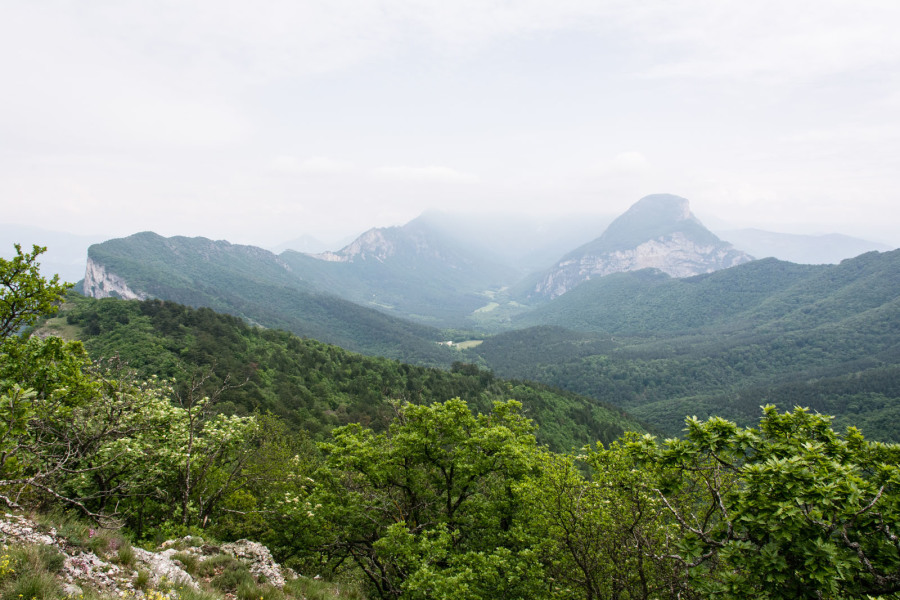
[[100, 283], [84, 569], [415, 239], [658, 232], [376, 244]]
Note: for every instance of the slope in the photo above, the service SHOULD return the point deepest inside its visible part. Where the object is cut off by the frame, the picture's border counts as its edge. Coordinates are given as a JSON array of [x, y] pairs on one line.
[[312, 385], [416, 271], [253, 284], [725, 343], [658, 231]]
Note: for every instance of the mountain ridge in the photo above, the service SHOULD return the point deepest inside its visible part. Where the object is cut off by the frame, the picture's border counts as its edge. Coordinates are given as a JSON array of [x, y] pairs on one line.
[[258, 286], [658, 231]]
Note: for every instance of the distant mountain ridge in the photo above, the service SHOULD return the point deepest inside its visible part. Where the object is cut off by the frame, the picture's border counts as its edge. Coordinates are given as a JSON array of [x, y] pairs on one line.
[[659, 232], [829, 248], [415, 271], [723, 343], [256, 285]]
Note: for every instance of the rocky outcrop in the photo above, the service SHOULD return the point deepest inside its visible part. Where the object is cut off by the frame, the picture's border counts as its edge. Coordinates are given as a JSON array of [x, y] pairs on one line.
[[101, 283], [83, 568], [373, 244], [658, 232], [675, 254], [258, 559]]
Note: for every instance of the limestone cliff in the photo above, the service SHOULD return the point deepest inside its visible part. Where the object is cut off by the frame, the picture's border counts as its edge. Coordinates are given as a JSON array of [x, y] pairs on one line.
[[374, 244], [101, 283], [658, 232]]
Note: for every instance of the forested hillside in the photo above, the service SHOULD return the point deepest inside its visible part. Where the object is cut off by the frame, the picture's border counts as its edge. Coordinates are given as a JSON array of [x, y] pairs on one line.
[[441, 498], [726, 343], [253, 284], [415, 271], [312, 385]]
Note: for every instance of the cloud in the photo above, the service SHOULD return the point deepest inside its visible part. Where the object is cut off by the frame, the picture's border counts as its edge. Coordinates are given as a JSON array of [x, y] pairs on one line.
[[431, 174], [313, 165], [770, 40], [626, 163]]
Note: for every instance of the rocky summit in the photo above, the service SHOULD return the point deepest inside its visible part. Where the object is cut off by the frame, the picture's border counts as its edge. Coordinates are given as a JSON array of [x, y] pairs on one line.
[[658, 232]]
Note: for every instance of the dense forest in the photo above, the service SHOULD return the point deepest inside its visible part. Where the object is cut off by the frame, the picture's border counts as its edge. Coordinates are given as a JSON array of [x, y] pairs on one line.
[[255, 285], [725, 343], [429, 497], [310, 385]]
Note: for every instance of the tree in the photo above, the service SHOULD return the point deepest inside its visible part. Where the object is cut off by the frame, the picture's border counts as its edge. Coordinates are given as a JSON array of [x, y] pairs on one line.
[[95, 438], [788, 510], [430, 508], [206, 450], [602, 534], [25, 295]]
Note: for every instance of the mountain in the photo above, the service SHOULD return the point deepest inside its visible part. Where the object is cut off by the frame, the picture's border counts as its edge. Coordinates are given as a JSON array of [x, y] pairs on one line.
[[254, 284], [416, 271], [723, 343], [649, 301], [803, 249], [658, 232]]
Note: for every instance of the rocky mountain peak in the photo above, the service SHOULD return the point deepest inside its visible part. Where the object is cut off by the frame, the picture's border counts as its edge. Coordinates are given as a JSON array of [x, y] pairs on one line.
[[658, 232], [416, 238], [378, 244]]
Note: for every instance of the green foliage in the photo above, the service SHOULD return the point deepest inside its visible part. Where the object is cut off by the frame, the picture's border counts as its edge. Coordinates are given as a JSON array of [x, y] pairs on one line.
[[430, 506], [314, 386], [254, 284], [789, 510], [427, 277], [25, 296], [232, 575], [96, 439], [30, 572], [601, 533], [316, 589], [725, 343]]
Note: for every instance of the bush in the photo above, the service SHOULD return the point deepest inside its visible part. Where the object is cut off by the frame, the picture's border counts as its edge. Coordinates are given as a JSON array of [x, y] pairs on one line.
[[215, 565], [125, 555], [248, 590], [143, 579], [40, 585], [315, 589], [188, 560], [234, 574]]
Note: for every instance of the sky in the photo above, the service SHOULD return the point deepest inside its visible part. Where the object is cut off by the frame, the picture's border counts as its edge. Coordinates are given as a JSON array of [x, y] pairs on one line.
[[265, 121]]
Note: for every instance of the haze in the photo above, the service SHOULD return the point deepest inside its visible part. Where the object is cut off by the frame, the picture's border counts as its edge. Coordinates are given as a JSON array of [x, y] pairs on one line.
[[262, 122]]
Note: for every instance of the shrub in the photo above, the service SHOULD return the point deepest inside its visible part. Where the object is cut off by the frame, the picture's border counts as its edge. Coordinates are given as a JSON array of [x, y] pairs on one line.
[[125, 555], [188, 560], [39, 584], [248, 590], [234, 574]]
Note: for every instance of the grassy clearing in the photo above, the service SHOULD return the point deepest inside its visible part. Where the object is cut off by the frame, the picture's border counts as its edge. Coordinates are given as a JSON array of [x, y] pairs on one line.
[[489, 307], [469, 344]]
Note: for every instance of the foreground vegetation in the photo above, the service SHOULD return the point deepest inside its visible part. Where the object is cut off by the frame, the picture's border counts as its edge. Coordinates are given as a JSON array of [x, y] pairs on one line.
[[446, 501]]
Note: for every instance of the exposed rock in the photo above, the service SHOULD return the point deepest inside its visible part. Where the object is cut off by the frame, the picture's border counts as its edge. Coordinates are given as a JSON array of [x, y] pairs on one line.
[[79, 565], [261, 564], [83, 568], [100, 283], [372, 244], [658, 232], [163, 569]]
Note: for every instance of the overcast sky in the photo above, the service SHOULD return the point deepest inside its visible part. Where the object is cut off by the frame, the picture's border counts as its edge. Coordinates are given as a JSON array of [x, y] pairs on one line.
[[259, 122]]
